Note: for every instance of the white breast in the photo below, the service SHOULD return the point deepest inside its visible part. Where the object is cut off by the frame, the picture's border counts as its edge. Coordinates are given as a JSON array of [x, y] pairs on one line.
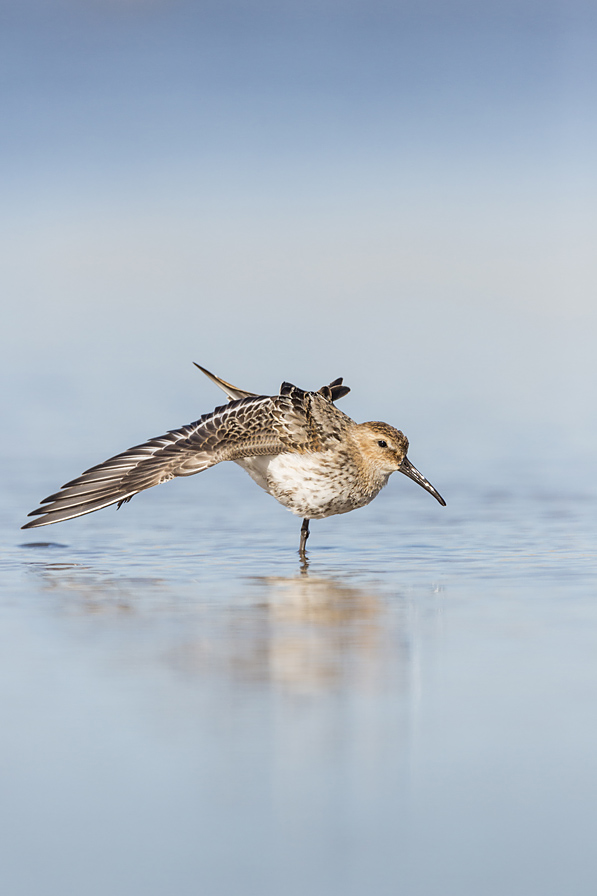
[[311, 485]]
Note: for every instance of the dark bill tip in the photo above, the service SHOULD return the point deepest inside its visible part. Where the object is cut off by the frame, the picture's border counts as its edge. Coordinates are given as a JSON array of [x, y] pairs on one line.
[[411, 471]]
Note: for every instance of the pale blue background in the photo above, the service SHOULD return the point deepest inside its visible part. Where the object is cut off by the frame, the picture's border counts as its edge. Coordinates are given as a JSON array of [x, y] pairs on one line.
[[401, 193]]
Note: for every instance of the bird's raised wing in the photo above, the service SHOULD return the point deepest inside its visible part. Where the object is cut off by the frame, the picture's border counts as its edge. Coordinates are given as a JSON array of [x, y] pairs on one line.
[[233, 392], [238, 429], [334, 391], [259, 425]]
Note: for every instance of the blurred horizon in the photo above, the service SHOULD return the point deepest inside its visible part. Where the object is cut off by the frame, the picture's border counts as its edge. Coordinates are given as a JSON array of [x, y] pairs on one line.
[[401, 194]]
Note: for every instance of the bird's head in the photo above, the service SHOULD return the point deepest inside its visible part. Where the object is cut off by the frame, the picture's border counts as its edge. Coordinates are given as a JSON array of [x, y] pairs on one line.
[[384, 449]]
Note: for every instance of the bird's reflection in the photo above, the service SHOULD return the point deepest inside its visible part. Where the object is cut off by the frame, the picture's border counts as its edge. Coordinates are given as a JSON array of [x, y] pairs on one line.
[[314, 632], [302, 633]]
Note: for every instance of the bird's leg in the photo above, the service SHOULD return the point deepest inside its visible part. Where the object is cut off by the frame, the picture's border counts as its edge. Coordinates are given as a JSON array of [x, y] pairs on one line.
[[304, 537]]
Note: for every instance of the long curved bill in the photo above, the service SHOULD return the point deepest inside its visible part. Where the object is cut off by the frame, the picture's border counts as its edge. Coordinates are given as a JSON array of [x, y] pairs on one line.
[[411, 471]]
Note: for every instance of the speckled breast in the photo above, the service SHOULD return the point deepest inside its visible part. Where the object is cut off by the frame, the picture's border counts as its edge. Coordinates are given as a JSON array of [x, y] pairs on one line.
[[311, 484]]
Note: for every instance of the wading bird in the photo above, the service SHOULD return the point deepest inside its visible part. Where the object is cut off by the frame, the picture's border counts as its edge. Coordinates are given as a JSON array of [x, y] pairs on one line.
[[296, 445]]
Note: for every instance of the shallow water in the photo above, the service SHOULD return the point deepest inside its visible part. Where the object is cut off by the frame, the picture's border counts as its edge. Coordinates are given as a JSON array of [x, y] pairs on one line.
[[187, 710]]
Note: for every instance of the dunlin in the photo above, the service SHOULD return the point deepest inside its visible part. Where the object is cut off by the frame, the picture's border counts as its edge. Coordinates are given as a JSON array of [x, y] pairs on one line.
[[297, 446]]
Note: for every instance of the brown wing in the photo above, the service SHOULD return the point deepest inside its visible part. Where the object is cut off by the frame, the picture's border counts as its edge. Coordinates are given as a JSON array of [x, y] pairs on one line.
[[258, 425], [245, 425], [233, 392], [333, 392]]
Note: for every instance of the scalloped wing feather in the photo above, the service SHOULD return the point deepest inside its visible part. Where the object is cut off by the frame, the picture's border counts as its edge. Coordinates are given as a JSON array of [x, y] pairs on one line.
[[247, 427]]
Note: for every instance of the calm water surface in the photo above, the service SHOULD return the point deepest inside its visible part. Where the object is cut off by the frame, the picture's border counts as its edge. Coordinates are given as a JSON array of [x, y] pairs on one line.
[[185, 710]]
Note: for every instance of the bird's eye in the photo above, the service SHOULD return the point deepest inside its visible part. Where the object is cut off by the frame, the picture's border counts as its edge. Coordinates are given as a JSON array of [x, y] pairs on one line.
[[382, 444]]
